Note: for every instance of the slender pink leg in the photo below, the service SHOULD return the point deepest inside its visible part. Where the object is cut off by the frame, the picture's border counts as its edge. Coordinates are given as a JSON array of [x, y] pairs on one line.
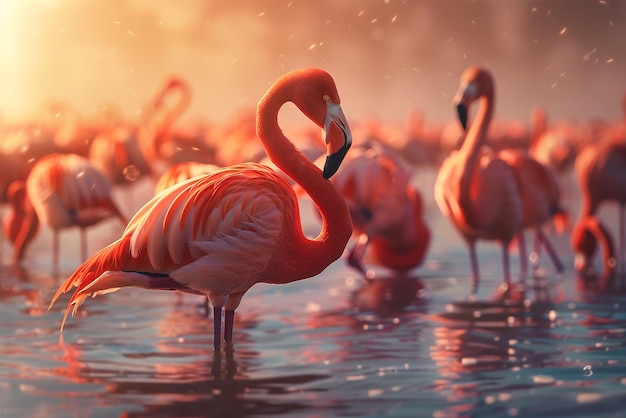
[[217, 328]]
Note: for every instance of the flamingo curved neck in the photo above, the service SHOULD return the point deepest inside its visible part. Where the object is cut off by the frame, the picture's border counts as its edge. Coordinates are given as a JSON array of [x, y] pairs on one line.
[[171, 115], [316, 254], [472, 145]]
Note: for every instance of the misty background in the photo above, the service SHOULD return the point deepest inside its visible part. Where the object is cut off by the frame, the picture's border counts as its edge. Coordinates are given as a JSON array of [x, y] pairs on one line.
[[387, 56]]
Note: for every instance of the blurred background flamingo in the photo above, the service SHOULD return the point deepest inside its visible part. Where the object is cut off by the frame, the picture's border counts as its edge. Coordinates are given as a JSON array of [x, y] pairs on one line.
[[492, 206], [475, 188], [387, 211], [601, 174], [161, 142], [64, 190]]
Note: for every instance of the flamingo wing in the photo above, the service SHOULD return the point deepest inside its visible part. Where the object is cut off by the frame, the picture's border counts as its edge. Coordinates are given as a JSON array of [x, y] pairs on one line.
[[213, 234]]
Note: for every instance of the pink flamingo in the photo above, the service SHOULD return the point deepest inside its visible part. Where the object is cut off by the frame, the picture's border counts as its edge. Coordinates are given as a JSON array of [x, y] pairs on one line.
[[601, 173], [478, 203], [553, 146], [387, 212], [221, 233], [64, 190], [14, 227], [475, 188], [116, 153]]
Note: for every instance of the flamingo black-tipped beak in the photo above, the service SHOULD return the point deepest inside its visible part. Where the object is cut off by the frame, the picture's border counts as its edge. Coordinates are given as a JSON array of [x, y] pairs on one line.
[[337, 136], [461, 110]]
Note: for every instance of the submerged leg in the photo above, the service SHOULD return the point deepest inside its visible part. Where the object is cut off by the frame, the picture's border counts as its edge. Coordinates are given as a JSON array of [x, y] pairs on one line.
[[229, 321], [217, 328]]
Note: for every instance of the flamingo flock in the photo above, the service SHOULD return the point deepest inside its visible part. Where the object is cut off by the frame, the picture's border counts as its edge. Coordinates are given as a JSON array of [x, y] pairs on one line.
[[225, 213]]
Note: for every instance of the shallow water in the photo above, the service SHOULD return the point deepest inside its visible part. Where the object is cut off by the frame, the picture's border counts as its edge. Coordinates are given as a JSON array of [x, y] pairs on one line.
[[327, 346]]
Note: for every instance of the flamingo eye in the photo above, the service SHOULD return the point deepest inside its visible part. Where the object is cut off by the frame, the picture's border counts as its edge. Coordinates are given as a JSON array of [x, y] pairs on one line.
[[326, 97]]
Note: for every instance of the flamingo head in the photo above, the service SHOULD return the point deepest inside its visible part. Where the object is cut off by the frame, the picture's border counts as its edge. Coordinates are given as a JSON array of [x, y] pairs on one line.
[[318, 99], [475, 82], [586, 236]]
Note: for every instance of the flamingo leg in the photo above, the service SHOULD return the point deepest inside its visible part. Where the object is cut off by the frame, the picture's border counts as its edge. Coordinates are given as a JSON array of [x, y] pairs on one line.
[[505, 264], [217, 328], [355, 258], [534, 257], [523, 260], [229, 320], [474, 264], [622, 237], [55, 251], [542, 239]]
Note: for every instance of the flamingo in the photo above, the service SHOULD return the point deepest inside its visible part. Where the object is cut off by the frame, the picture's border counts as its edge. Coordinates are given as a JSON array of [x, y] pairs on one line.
[[387, 212], [116, 153], [475, 188], [64, 190], [15, 228], [553, 147], [601, 173], [219, 234]]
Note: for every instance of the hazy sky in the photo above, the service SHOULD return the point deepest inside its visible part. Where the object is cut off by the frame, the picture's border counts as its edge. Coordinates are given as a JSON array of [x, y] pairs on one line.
[[386, 56]]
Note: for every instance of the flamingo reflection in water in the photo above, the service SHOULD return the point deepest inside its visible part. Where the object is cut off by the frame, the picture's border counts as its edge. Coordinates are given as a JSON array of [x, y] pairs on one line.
[[221, 233]]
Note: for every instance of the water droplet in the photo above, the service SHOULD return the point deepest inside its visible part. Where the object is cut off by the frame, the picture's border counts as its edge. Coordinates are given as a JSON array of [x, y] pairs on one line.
[[587, 371]]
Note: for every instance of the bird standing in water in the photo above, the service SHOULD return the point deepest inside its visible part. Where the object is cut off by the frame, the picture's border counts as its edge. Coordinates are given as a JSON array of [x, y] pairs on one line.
[[601, 174], [219, 234], [387, 211], [491, 194], [61, 191]]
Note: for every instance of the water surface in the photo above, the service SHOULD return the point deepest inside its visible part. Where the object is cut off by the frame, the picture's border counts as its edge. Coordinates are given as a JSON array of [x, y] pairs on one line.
[[327, 346]]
